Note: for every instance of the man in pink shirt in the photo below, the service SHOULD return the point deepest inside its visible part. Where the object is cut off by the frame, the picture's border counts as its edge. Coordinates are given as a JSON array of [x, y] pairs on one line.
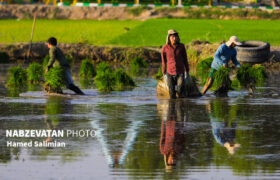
[[174, 63]]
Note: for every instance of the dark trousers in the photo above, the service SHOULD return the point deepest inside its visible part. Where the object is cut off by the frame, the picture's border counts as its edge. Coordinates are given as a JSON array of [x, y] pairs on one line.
[[172, 81]]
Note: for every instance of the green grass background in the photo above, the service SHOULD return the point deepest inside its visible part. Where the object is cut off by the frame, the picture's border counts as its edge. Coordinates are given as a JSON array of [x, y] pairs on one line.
[[142, 33]]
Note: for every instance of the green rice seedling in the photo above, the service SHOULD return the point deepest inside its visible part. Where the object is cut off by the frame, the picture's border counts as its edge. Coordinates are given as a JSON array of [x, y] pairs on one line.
[[259, 74], [18, 77], [137, 64], [122, 80], [203, 69], [222, 82], [159, 74], [46, 61], [35, 73], [249, 76], [87, 70], [55, 80], [104, 79], [243, 76]]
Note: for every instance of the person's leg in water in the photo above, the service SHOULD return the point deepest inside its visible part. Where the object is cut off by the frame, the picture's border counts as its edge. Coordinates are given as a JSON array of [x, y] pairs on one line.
[[209, 81], [180, 85], [70, 83], [171, 82]]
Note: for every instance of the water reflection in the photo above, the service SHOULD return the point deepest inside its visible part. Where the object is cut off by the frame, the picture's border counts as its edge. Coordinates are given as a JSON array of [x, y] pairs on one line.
[[147, 139], [173, 132], [223, 124], [117, 130]]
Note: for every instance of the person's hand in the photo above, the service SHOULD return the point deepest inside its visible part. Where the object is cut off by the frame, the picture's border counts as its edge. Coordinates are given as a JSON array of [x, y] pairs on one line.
[[47, 71]]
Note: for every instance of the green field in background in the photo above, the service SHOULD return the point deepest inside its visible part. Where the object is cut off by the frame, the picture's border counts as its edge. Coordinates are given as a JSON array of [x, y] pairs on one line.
[[138, 33]]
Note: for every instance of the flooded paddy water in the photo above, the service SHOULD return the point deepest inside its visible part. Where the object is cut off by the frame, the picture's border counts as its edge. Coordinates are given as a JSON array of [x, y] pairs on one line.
[[139, 136]]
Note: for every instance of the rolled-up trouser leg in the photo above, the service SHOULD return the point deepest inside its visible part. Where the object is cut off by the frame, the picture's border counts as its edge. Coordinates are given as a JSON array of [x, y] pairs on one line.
[[180, 85], [171, 82]]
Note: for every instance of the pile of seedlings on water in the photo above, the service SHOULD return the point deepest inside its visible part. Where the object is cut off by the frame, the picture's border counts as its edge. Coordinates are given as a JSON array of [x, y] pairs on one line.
[[222, 82], [107, 80], [138, 66], [18, 77], [250, 76], [203, 68], [87, 70], [55, 80], [123, 80], [104, 79], [35, 73], [87, 73]]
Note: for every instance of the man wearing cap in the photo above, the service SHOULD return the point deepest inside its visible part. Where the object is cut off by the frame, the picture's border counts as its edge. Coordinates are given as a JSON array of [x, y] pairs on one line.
[[174, 63], [222, 56]]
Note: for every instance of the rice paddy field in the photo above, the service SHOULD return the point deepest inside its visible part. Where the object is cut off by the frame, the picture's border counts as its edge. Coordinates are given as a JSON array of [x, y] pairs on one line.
[[151, 32]]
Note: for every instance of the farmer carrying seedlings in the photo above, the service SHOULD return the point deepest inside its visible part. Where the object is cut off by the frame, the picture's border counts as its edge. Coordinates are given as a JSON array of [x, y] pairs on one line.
[[57, 58], [224, 53], [174, 63]]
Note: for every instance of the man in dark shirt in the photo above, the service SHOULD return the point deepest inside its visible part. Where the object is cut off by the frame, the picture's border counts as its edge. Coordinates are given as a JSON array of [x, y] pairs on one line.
[[174, 63], [57, 58]]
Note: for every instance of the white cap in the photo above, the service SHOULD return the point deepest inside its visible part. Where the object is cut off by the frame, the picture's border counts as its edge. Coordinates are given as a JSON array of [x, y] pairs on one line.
[[233, 39]]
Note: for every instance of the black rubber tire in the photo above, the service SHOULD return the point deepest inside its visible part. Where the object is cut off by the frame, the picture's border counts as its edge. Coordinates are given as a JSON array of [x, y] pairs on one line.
[[253, 52]]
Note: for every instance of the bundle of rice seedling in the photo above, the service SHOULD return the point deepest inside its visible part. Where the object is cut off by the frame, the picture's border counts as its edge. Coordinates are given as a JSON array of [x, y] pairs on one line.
[[18, 77], [222, 82], [259, 73], [203, 68], [104, 79], [55, 80], [137, 64], [122, 80], [249, 77], [35, 73], [243, 75], [87, 70]]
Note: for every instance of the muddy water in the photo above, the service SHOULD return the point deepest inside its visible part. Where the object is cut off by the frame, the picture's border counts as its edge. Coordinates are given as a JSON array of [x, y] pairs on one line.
[[138, 136]]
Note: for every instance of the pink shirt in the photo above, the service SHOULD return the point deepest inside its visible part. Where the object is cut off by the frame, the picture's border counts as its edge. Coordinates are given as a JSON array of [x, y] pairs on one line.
[[174, 60]]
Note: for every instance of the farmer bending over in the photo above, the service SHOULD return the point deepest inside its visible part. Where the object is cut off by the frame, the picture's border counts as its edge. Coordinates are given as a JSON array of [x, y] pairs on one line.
[[174, 63], [57, 58], [224, 53]]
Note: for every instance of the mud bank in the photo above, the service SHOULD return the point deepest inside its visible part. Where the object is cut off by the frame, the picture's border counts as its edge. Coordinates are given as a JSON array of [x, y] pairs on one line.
[[133, 13], [18, 51], [196, 50]]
